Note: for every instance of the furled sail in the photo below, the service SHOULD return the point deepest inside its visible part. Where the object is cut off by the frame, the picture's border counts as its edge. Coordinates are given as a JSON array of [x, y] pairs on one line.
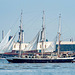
[[42, 35], [6, 47], [33, 44]]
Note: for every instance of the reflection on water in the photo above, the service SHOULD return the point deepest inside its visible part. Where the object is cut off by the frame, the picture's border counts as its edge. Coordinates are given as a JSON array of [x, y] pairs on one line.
[[32, 69]]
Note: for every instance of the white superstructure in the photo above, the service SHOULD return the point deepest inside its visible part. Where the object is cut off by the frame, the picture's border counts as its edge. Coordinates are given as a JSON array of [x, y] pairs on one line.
[[39, 45], [24, 45]]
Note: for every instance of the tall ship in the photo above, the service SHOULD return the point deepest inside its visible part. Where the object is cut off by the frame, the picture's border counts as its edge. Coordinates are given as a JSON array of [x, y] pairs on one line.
[[42, 57]]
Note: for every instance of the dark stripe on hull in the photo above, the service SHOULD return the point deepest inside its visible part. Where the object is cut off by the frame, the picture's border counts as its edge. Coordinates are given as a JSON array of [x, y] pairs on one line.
[[40, 61]]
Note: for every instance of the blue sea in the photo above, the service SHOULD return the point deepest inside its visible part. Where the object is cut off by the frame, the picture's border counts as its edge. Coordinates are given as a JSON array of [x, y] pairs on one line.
[[36, 69]]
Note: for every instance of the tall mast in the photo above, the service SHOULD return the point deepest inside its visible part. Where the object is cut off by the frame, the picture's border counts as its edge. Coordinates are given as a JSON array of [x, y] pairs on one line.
[[59, 33], [43, 32], [43, 27], [20, 35]]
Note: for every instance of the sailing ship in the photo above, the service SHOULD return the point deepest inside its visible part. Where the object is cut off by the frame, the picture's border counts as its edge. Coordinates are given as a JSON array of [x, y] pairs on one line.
[[36, 58]]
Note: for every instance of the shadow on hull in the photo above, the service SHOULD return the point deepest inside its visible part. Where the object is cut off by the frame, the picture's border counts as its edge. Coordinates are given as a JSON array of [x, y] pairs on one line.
[[40, 60]]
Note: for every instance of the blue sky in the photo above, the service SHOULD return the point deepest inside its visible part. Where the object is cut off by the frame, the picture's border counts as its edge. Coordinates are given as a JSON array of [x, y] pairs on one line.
[[10, 11]]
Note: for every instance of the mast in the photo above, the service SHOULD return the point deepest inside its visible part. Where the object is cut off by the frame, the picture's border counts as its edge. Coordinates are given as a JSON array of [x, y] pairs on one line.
[[20, 35], [43, 32], [59, 34]]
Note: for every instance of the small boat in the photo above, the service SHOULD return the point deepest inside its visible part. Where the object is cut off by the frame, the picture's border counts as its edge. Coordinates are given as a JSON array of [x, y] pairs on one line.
[[40, 58]]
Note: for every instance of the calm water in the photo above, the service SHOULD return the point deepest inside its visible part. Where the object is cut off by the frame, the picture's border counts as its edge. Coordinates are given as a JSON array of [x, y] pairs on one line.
[[36, 69]]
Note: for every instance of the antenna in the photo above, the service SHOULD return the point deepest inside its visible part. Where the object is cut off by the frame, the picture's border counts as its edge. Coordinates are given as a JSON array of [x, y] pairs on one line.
[[59, 33]]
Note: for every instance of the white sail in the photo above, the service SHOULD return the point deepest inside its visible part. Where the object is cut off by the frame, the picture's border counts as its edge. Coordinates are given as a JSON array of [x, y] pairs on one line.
[[7, 46], [5, 40], [52, 46], [33, 44]]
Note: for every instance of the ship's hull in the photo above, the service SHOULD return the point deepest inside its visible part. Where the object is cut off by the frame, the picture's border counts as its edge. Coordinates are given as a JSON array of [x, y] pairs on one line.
[[39, 60]]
